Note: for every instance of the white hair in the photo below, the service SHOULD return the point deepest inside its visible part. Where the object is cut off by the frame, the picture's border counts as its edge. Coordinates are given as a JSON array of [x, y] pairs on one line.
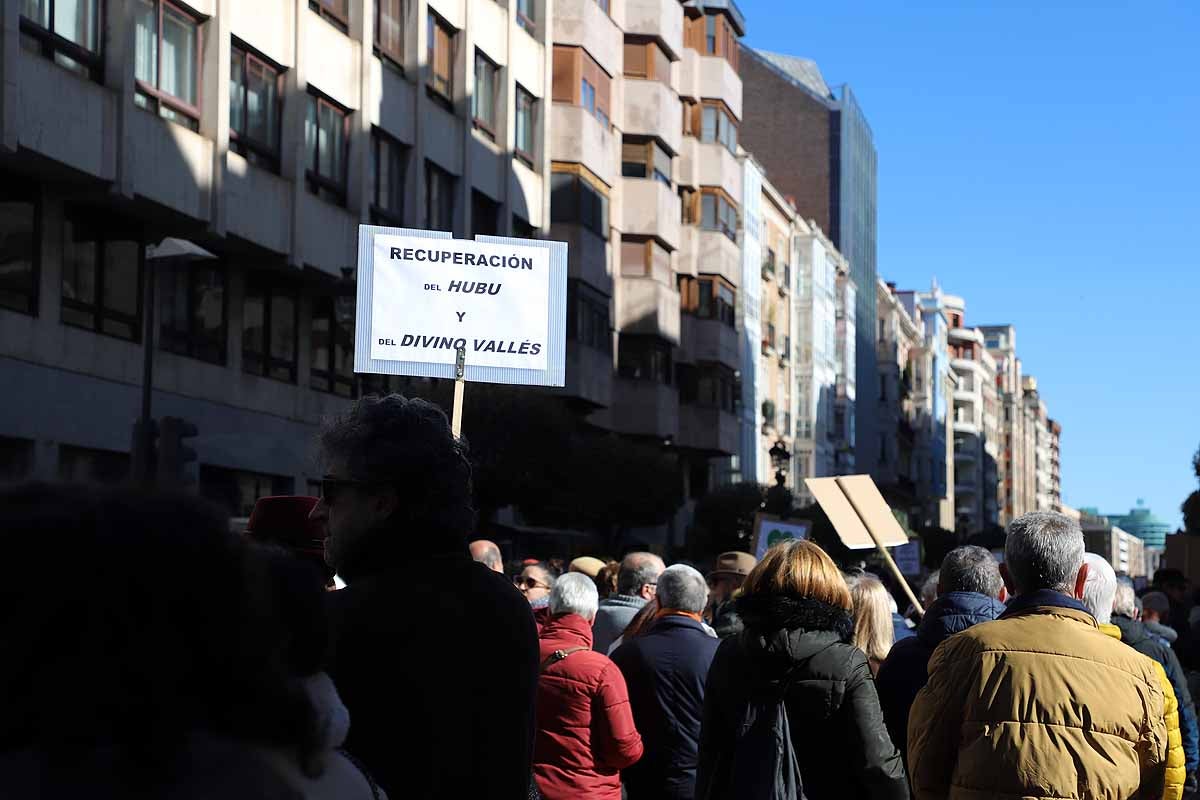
[[1100, 589], [1125, 601], [682, 588], [1044, 550], [575, 593]]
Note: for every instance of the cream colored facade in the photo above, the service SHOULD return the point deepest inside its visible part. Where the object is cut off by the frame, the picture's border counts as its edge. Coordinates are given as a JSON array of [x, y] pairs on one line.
[[899, 343], [777, 362], [80, 146], [976, 425]]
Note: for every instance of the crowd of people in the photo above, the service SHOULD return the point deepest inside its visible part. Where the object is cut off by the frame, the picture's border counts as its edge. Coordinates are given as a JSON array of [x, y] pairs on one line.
[[150, 651]]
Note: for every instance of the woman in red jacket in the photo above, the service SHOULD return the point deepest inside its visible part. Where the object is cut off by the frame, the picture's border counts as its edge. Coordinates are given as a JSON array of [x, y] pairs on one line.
[[585, 733]]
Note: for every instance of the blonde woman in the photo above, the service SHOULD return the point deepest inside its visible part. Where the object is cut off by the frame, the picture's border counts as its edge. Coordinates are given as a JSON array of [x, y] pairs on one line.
[[797, 647], [873, 631]]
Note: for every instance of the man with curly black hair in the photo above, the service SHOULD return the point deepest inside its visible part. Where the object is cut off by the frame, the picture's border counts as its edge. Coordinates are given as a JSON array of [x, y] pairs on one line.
[[422, 633]]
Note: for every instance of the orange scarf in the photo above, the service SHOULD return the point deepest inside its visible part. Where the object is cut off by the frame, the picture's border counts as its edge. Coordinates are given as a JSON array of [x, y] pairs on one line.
[[672, 612]]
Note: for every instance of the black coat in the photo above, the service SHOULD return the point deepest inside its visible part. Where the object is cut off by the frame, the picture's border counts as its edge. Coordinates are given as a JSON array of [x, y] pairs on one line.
[[665, 669], [436, 658], [907, 666], [833, 712]]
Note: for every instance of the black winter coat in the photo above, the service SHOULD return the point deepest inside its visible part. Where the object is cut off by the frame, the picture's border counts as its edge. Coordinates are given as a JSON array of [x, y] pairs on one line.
[[665, 669], [907, 666], [436, 659], [837, 727]]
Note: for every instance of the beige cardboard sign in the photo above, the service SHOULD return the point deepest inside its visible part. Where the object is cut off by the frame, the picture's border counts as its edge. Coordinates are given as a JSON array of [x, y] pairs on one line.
[[854, 504]]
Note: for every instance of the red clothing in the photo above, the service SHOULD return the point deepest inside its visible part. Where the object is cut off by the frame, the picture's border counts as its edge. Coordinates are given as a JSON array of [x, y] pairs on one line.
[[585, 732]]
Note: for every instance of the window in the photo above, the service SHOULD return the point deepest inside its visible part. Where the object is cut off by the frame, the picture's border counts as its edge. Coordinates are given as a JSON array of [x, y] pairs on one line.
[[326, 143], [645, 158], [102, 277], [644, 358], [526, 119], [575, 199], [717, 213], [525, 16], [483, 99], [332, 339], [603, 4], [587, 317], [167, 61], [709, 297], [254, 107], [441, 59], [269, 341], [389, 164], [389, 31], [710, 34], [708, 386], [439, 198], [485, 215], [645, 58], [85, 465], [20, 238], [237, 490], [641, 257], [337, 12], [67, 31], [191, 300], [580, 81], [718, 126]]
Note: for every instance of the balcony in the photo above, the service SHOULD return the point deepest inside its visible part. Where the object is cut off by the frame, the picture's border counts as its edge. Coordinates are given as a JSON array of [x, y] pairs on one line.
[[578, 137], [584, 23], [589, 375], [966, 365], [650, 208], [966, 336], [587, 255], [710, 77], [719, 167], [966, 427], [966, 396], [652, 109], [966, 489], [714, 254], [258, 204], [710, 340], [644, 408], [658, 18], [645, 306], [709, 430], [60, 116]]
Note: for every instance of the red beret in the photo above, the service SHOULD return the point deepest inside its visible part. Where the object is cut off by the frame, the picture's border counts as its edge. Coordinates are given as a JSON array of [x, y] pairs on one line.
[[284, 521]]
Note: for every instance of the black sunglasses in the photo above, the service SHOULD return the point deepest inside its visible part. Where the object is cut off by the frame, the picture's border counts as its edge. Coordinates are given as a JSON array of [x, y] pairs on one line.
[[331, 487]]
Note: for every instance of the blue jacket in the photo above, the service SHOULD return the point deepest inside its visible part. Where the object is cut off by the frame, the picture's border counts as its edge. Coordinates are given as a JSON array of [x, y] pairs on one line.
[[900, 629], [906, 668], [665, 669]]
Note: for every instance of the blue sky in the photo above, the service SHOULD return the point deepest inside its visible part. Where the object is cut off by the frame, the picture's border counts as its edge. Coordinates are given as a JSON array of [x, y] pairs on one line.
[[1041, 159]]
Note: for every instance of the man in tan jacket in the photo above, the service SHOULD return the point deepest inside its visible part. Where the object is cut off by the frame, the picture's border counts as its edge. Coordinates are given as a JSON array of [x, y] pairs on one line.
[[1039, 703]]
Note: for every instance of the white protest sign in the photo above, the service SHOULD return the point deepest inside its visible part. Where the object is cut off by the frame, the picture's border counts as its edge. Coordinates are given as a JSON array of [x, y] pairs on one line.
[[425, 295]]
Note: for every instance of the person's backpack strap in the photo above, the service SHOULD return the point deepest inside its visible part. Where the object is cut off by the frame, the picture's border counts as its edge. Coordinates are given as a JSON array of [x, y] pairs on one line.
[[559, 655]]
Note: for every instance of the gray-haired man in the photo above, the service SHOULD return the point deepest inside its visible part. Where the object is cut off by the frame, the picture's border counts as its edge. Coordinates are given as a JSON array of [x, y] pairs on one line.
[[1040, 702], [969, 591], [637, 582], [665, 668]]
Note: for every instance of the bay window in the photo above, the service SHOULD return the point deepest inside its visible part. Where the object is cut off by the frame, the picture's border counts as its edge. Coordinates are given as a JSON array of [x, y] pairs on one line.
[[718, 126], [441, 58], [66, 31], [389, 30], [717, 213], [326, 143], [483, 99], [167, 61], [526, 141], [254, 107]]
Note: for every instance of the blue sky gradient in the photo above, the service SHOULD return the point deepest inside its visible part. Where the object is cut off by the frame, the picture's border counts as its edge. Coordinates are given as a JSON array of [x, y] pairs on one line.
[[1041, 161]]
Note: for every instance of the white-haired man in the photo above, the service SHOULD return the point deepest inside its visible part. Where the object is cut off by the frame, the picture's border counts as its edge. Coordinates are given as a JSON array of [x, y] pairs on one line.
[[1039, 703], [666, 667], [585, 730]]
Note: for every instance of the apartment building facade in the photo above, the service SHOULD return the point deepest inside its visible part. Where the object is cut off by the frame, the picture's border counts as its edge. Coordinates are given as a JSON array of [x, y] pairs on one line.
[[776, 369], [845, 403], [976, 426], [818, 266], [900, 341], [818, 148], [264, 133]]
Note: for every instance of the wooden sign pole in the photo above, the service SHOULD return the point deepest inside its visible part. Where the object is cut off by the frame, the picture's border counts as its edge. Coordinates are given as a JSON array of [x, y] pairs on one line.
[[460, 367], [912, 598]]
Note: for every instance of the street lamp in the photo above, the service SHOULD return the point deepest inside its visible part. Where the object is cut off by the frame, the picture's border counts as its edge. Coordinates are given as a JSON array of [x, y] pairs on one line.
[[779, 499], [780, 458]]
